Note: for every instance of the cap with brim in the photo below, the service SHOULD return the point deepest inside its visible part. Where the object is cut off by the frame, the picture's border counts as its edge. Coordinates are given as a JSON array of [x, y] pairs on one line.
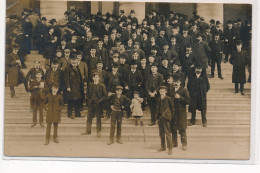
[[119, 88], [162, 87]]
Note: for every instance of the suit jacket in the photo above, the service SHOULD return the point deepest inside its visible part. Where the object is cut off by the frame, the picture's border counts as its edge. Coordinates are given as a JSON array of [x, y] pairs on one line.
[[125, 102], [31, 75], [56, 77], [101, 93], [83, 68], [154, 82], [201, 54], [166, 106], [130, 77], [54, 105], [113, 81]]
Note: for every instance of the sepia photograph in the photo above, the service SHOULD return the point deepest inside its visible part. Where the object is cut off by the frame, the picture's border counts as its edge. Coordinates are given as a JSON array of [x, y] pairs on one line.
[[129, 80]]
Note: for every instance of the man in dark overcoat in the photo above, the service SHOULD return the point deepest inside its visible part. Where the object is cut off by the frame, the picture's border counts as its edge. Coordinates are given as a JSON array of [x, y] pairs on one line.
[[164, 113], [53, 75], [229, 36], [96, 94], [15, 75], [41, 31], [54, 104], [154, 81], [181, 99], [198, 86], [73, 82], [239, 59]]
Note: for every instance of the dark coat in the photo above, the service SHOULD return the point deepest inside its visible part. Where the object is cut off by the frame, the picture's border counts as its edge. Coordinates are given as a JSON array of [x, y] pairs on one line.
[[239, 60], [133, 80], [198, 94], [167, 109], [165, 71], [73, 80], [180, 108], [182, 77], [31, 75], [15, 75], [37, 95], [83, 68], [54, 106], [103, 56], [113, 81], [171, 56], [216, 47], [201, 54], [55, 79], [154, 82], [101, 93], [50, 47], [230, 35], [125, 102]]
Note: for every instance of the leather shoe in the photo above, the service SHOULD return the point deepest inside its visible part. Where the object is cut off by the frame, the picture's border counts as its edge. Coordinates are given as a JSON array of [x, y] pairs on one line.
[[175, 145], [184, 147], [14, 96], [204, 124], [191, 123], [119, 141], [161, 149], [170, 152], [242, 93], [85, 133], [56, 140], [152, 123], [41, 124], [110, 142], [221, 77], [46, 142], [98, 134], [72, 117], [34, 124]]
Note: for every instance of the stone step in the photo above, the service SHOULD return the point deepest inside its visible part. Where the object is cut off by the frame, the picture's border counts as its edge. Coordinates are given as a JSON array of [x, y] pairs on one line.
[[128, 128], [126, 137], [34, 52], [211, 120]]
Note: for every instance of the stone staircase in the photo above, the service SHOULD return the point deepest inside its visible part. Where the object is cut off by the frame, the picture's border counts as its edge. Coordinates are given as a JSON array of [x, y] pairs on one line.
[[228, 117]]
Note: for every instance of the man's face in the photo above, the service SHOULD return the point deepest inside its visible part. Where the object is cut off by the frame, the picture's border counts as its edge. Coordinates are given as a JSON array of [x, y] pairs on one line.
[[136, 46], [38, 75], [162, 92], [152, 40], [67, 53], [58, 54], [113, 36], [198, 70], [122, 48], [122, 60], [173, 40], [79, 57], [37, 65], [106, 39], [99, 65], [73, 38], [96, 79], [15, 51], [145, 22], [151, 59], [154, 69], [93, 51], [170, 80], [100, 43], [185, 32], [89, 35], [152, 27], [143, 61], [165, 47], [239, 46], [175, 67], [54, 90], [115, 59], [63, 43], [177, 83], [130, 42], [133, 67], [74, 63], [165, 62], [145, 36], [162, 33], [154, 51], [199, 38], [55, 66], [114, 69], [118, 92]]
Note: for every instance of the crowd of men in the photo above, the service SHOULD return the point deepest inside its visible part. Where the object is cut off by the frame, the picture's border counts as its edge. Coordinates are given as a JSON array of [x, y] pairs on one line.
[[118, 52]]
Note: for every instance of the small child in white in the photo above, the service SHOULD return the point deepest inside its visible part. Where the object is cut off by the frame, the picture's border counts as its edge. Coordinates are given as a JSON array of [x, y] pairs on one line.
[[136, 108]]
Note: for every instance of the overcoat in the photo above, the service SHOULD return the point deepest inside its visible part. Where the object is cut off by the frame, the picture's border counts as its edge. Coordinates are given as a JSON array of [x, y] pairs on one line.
[[37, 95], [201, 54], [54, 106], [198, 101], [180, 108], [167, 109], [239, 60]]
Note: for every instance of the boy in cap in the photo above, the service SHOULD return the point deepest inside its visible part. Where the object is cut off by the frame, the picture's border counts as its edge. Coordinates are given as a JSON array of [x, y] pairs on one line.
[[96, 94], [38, 91], [118, 102], [31, 75], [164, 114], [54, 104], [239, 59], [198, 86]]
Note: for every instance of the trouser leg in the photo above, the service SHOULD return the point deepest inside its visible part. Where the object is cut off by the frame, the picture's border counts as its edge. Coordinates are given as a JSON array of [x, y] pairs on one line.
[[167, 131], [12, 91], [213, 64], [35, 109], [112, 126], [236, 87], [203, 116], [48, 131], [152, 105], [226, 57], [183, 137], [119, 124], [161, 134], [41, 115], [193, 116], [89, 118], [241, 87], [55, 133], [174, 137], [70, 105], [219, 68], [77, 107]]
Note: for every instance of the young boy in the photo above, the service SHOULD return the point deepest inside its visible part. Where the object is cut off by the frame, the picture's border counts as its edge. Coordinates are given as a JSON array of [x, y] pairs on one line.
[[181, 98], [95, 96], [239, 59], [54, 103], [164, 114], [31, 75], [118, 102], [38, 90]]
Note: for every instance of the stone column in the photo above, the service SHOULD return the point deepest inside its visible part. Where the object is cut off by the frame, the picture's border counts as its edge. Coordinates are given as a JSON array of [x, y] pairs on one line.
[[53, 9], [138, 7], [211, 11]]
